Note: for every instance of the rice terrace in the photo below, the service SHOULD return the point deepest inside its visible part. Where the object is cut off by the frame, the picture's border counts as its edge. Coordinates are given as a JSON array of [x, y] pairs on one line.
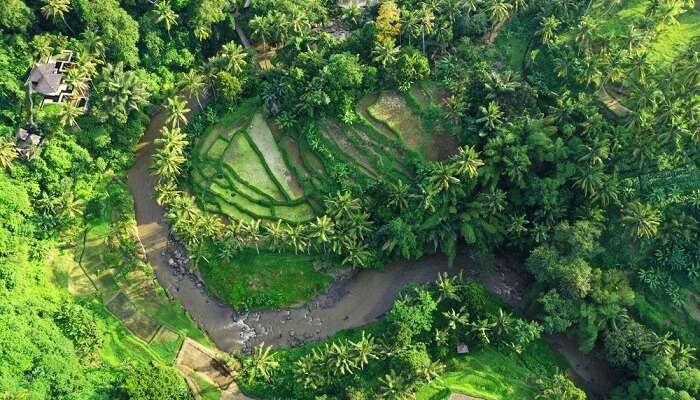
[[349, 199]]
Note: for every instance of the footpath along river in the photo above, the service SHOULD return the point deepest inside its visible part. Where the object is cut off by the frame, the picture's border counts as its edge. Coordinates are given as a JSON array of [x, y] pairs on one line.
[[349, 303]]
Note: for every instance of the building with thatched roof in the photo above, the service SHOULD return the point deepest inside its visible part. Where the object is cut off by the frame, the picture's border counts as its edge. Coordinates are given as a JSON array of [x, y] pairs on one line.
[[28, 141], [48, 79]]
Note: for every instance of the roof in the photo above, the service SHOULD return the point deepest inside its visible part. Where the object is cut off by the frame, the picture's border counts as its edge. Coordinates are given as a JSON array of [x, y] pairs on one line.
[[45, 79], [462, 348]]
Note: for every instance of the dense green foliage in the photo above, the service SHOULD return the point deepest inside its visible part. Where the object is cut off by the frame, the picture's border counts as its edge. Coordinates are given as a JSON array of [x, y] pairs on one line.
[[576, 126], [408, 349]]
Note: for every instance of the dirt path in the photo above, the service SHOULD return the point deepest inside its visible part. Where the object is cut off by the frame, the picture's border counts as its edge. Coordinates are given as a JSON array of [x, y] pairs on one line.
[[348, 304]]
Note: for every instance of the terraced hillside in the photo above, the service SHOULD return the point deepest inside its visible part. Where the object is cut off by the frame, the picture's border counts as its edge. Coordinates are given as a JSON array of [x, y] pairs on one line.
[[246, 168], [392, 115], [242, 172]]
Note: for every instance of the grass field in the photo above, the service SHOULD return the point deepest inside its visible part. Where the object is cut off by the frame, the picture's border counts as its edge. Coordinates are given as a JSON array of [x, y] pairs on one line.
[[673, 40], [655, 310], [119, 343], [244, 161], [263, 280], [261, 135], [206, 389], [493, 374]]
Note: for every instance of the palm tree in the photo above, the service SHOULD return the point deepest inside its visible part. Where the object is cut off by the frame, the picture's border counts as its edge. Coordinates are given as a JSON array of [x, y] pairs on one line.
[[441, 179], [590, 180], [548, 27], [262, 29], [365, 349], [432, 371], [342, 205], [168, 164], [233, 57], [452, 8], [78, 79], [394, 387], [165, 14], [482, 328], [456, 319], [448, 287], [410, 23], [172, 140], [262, 363], [166, 191], [499, 10], [53, 9], [68, 114], [426, 20], [491, 115], [642, 218], [202, 32], [322, 229], [124, 90], [308, 370], [467, 162], [441, 337], [340, 359], [252, 231], [399, 195], [504, 322], [8, 153], [297, 237], [357, 254], [92, 45], [385, 52], [194, 85], [71, 207], [352, 13], [177, 108], [277, 234], [454, 108], [359, 225]]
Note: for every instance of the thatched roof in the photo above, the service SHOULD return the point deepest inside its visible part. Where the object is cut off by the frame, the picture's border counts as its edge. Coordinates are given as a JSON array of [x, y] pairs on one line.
[[45, 79]]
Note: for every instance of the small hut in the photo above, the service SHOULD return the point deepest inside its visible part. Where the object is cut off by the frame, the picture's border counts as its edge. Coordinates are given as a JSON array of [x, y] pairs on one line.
[[28, 141]]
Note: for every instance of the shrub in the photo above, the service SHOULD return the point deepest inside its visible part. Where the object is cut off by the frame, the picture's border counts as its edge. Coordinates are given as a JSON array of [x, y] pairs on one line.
[[153, 382]]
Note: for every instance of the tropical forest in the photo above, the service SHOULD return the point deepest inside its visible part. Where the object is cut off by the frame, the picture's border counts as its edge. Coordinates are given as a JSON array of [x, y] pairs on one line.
[[349, 199]]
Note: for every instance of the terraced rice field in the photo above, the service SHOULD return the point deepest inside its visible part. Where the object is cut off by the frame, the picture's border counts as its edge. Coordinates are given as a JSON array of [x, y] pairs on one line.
[[247, 168], [242, 172], [390, 114]]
